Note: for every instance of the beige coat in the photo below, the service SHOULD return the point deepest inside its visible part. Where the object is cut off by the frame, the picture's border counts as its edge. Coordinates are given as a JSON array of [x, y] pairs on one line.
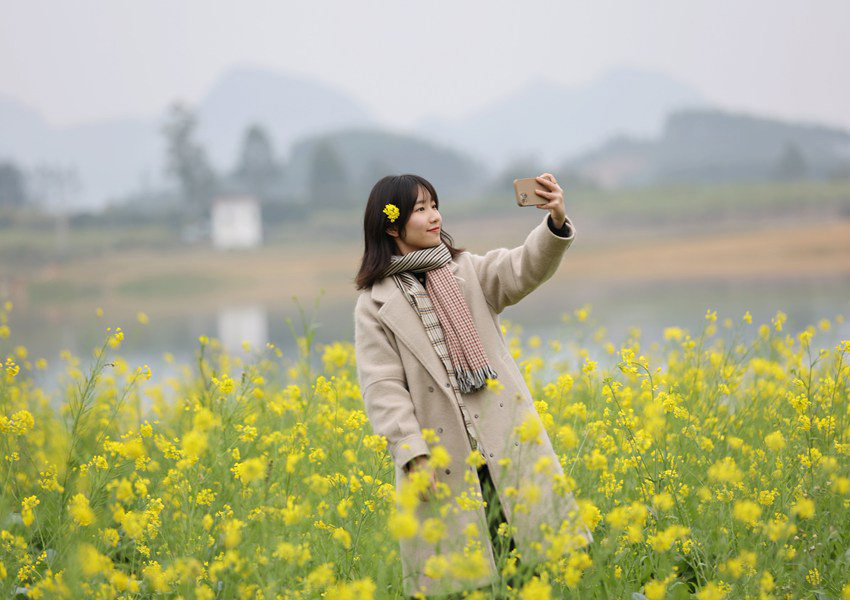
[[405, 389]]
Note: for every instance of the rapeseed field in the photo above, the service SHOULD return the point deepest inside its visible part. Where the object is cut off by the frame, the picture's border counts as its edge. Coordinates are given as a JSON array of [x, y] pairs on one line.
[[716, 468]]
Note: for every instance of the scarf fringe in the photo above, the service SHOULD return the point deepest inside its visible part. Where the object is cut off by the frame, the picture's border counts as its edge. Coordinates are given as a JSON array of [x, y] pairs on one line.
[[471, 381]]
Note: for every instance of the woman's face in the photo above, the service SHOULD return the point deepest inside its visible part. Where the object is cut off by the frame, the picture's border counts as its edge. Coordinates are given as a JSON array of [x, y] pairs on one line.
[[422, 229]]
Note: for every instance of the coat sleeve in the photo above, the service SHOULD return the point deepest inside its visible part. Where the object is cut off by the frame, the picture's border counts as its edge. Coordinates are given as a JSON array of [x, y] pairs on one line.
[[507, 276], [383, 385]]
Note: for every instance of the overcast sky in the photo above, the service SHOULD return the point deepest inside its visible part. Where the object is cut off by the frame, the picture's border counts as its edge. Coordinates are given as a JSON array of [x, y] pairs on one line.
[[86, 59]]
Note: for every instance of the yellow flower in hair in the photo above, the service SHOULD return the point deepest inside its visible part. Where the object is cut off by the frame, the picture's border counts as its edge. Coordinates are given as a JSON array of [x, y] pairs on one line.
[[391, 210]]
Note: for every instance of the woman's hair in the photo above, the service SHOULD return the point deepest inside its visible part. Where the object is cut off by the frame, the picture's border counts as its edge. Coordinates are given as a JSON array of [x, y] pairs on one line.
[[402, 191]]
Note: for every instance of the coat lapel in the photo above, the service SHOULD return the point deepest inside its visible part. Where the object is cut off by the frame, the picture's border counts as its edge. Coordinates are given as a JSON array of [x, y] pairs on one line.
[[405, 322]]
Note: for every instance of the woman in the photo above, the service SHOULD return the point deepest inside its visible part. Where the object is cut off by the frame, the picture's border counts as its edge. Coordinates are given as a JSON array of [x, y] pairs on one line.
[[433, 365]]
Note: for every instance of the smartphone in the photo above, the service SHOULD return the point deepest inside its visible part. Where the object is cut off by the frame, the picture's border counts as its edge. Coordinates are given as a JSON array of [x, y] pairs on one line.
[[524, 190]]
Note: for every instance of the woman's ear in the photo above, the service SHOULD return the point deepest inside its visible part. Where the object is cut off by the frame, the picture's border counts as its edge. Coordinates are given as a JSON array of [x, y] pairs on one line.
[[392, 231]]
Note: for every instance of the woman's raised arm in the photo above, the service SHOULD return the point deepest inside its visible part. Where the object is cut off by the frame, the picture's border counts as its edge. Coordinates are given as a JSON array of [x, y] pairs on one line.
[[507, 276]]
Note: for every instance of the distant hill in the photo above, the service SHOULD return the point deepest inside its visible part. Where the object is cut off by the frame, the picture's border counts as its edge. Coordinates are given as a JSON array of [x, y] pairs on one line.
[[111, 157], [540, 123], [121, 156], [288, 108], [552, 122], [118, 156], [716, 145], [370, 154]]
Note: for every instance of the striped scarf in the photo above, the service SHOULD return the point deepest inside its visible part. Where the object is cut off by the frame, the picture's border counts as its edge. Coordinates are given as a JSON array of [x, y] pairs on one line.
[[445, 314]]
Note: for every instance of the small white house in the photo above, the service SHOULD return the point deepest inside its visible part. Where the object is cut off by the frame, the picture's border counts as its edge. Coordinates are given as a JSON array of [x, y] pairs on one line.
[[236, 222]]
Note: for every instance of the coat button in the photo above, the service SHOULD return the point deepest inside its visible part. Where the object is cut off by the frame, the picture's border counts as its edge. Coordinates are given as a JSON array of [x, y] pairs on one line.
[[516, 443], [430, 388], [476, 415], [500, 404], [448, 471], [439, 430], [448, 384], [491, 455]]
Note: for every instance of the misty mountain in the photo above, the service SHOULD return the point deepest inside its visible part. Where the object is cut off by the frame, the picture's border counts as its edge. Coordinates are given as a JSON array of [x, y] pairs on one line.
[[716, 145], [118, 156], [287, 107], [549, 122], [110, 156], [540, 122]]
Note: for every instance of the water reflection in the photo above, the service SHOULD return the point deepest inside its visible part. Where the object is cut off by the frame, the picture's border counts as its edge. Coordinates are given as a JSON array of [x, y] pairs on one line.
[[238, 325], [651, 308]]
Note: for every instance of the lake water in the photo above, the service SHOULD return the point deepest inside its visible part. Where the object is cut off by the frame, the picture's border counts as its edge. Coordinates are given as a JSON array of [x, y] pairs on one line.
[[651, 308]]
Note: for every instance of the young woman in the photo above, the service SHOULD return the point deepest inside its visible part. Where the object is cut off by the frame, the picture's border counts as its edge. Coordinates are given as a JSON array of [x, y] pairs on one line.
[[427, 340]]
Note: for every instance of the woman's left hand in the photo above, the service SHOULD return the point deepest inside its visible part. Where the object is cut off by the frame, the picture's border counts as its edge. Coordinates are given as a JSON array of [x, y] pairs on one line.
[[555, 196]]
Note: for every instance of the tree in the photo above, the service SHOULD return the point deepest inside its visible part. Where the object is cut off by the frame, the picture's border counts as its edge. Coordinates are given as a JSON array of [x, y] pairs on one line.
[[257, 169], [328, 178], [56, 190], [188, 162], [12, 186], [792, 164]]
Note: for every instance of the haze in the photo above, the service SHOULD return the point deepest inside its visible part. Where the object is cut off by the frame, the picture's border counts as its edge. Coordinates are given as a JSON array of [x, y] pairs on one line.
[[89, 60]]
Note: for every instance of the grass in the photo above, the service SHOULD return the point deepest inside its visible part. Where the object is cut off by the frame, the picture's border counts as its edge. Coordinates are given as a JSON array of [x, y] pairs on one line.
[[169, 284], [61, 291]]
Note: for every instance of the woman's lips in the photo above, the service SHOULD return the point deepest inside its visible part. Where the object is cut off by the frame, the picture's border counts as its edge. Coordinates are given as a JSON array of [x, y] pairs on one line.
[[434, 230]]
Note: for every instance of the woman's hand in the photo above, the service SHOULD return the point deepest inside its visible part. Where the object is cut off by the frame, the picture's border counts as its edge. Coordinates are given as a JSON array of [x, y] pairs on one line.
[[555, 196], [421, 462]]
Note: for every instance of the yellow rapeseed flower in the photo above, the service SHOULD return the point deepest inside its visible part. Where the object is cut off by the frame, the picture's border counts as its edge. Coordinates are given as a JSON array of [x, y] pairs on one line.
[[530, 429], [93, 562], [747, 512], [494, 385], [250, 470], [536, 589], [392, 212], [655, 590], [116, 338], [673, 333], [469, 565], [711, 591], [804, 508], [440, 457], [27, 506], [775, 441], [662, 501], [232, 532], [725, 470], [433, 530], [567, 436], [81, 511], [663, 540], [343, 537], [225, 385], [403, 525], [436, 566], [194, 444]]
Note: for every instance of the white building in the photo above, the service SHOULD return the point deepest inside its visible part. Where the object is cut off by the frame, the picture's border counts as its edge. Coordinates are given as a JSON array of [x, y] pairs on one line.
[[236, 222]]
